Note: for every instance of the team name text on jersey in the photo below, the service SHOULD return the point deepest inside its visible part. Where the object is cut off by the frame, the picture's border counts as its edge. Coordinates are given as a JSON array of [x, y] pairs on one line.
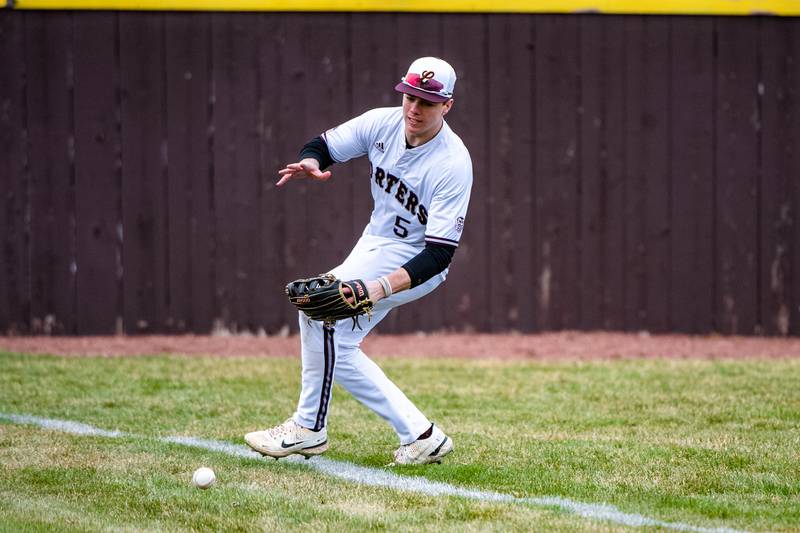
[[402, 193]]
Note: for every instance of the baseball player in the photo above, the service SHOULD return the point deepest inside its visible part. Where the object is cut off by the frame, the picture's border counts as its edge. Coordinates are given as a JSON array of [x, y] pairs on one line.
[[421, 176]]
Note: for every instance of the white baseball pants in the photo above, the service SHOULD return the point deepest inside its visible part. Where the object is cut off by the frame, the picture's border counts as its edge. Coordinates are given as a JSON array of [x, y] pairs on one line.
[[334, 354]]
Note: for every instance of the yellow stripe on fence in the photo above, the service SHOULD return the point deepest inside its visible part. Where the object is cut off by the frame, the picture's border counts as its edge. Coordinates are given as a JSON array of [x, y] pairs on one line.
[[659, 7]]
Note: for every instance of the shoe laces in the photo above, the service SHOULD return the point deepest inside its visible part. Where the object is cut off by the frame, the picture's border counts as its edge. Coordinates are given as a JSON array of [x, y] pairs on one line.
[[410, 451], [282, 430]]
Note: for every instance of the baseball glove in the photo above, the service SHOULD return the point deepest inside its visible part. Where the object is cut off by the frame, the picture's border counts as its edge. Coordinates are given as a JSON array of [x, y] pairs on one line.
[[322, 298]]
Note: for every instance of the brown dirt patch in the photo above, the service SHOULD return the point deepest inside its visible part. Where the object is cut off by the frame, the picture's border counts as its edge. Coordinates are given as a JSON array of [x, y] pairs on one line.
[[546, 346]]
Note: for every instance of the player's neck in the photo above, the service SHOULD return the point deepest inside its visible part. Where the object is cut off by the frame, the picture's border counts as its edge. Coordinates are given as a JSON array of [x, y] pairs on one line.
[[414, 141]]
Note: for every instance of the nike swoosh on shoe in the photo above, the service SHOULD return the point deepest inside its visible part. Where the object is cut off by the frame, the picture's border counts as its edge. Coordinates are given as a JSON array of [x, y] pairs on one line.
[[290, 445], [438, 448]]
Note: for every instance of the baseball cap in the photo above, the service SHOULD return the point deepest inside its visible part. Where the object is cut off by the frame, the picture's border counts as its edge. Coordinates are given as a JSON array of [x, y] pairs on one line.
[[429, 78]]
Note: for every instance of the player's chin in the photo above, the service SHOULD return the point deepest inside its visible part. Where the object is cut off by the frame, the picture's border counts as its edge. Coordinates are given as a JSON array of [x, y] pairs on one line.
[[414, 128]]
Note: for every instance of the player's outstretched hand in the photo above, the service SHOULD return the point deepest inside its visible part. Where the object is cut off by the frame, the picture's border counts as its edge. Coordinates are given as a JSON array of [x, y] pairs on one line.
[[307, 168]]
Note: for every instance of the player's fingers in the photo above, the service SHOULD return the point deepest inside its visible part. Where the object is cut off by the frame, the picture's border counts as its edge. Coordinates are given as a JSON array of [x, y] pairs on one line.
[[322, 176], [284, 179], [348, 294]]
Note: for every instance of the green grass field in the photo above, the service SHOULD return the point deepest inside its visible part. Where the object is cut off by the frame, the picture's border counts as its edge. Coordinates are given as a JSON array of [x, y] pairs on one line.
[[709, 444]]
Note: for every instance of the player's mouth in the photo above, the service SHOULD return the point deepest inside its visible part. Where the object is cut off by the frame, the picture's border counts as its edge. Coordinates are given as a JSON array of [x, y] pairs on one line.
[[413, 122]]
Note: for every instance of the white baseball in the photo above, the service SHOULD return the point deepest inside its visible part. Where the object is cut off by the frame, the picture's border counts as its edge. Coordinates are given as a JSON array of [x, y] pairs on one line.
[[203, 477]]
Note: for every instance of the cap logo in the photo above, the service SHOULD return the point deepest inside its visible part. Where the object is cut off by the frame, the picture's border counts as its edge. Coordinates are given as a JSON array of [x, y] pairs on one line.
[[425, 82]]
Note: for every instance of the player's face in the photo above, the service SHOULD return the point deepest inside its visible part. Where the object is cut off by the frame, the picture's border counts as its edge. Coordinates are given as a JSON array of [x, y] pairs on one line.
[[423, 119]]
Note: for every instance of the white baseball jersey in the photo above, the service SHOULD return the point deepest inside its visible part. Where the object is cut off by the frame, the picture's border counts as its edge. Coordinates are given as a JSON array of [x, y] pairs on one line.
[[421, 194]]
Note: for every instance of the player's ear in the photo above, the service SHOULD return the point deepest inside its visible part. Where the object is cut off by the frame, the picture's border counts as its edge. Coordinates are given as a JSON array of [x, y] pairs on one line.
[[447, 105]]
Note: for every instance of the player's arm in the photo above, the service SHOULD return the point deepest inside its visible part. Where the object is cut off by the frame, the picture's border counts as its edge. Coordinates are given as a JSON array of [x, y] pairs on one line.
[[429, 262], [314, 159], [340, 144]]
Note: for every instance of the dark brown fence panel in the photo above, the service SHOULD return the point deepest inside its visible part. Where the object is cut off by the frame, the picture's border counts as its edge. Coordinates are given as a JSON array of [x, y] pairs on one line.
[[630, 172], [48, 41], [506, 186], [145, 215], [297, 252], [511, 155], [557, 182], [779, 89], [738, 177], [654, 164], [191, 282], [14, 233], [602, 185], [272, 312], [234, 48], [635, 193], [793, 77], [692, 164], [97, 172]]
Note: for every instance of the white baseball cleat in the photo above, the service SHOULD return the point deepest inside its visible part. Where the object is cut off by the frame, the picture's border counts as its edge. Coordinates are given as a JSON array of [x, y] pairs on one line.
[[288, 438], [424, 451]]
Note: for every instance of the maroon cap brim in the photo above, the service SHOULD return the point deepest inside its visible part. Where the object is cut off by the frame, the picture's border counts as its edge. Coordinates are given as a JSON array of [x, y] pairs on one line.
[[403, 88]]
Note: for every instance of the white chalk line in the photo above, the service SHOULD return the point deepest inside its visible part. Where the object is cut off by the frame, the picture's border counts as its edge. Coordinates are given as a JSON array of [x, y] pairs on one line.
[[376, 477]]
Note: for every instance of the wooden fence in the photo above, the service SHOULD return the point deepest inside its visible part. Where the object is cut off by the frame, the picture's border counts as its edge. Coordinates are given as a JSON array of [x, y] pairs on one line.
[[631, 172]]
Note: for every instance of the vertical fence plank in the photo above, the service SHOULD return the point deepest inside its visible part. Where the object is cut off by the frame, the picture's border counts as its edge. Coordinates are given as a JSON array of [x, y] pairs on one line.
[[47, 54], [557, 170], [97, 190], [692, 163], [295, 131], [794, 133], [520, 184], [144, 192], [780, 167], [467, 290], [510, 159], [615, 270], [499, 279], [38, 77], [236, 165], [647, 227], [737, 176], [594, 59], [656, 165], [635, 245], [602, 172], [14, 286], [273, 149], [187, 61]]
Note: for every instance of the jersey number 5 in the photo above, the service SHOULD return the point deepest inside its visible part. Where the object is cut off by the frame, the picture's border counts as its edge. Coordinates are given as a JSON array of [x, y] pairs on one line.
[[399, 229]]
